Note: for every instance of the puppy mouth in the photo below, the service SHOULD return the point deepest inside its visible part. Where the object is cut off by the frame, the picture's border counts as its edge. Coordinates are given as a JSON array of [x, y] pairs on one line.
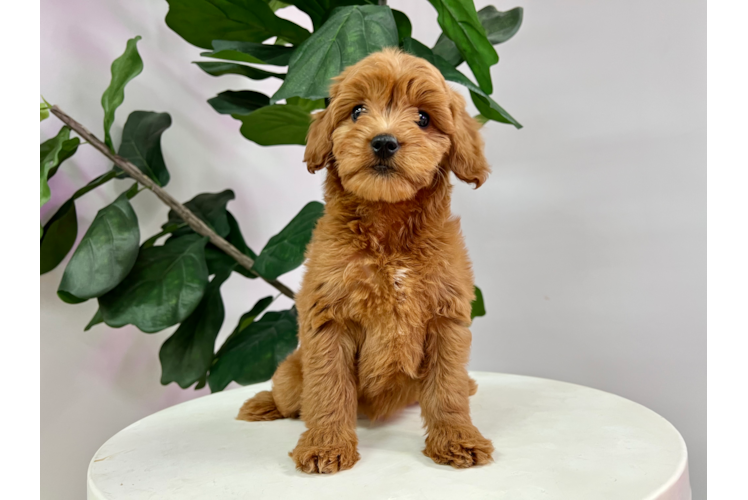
[[383, 169]]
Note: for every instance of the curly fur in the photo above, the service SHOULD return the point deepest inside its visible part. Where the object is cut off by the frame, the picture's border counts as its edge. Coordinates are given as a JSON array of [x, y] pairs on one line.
[[384, 307]]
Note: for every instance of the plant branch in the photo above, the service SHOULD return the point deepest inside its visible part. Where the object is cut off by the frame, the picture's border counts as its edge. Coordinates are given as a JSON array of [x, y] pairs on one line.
[[185, 213]]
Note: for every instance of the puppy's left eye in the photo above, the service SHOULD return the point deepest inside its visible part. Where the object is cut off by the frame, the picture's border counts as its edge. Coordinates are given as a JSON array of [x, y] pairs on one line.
[[357, 112], [423, 119]]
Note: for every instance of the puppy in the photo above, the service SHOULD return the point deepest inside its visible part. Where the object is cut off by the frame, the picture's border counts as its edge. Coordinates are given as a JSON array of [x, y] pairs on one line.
[[384, 307]]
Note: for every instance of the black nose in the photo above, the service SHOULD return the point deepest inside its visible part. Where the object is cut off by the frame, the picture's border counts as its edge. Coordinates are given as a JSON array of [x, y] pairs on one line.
[[384, 146]]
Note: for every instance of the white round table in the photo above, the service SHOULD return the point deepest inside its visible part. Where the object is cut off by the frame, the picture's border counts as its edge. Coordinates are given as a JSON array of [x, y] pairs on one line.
[[553, 440]]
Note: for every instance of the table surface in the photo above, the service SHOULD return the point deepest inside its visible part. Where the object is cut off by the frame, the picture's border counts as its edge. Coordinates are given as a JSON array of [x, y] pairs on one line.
[[553, 440]]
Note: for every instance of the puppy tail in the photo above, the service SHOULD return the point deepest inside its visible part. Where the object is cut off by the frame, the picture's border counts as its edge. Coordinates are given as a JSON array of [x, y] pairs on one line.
[[259, 407], [473, 386]]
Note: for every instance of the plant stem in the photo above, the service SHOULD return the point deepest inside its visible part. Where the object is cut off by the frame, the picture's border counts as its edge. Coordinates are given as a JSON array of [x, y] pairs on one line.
[[185, 213]]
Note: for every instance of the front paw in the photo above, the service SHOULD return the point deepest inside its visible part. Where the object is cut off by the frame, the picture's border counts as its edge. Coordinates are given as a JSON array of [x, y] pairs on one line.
[[321, 451], [458, 446]]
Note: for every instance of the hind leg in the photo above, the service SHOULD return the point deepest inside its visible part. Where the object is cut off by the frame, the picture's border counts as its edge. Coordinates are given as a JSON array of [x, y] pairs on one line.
[[285, 399]]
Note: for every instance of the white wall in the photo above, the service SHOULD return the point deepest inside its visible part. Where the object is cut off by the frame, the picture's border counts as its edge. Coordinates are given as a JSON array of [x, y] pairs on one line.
[[588, 240]]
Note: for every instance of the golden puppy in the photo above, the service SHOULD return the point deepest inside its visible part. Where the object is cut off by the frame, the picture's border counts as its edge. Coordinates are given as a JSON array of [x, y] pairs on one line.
[[384, 307]]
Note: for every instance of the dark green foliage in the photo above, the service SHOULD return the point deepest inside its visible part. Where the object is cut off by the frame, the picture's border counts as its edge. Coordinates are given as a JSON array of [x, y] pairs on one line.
[[254, 352], [188, 353], [477, 306], [105, 255], [202, 21], [285, 251], [499, 26], [349, 35], [154, 286], [163, 288], [141, 144], [241, 102]]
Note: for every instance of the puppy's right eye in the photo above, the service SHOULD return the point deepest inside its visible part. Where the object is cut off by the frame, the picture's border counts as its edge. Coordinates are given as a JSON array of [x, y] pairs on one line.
[[357, 112]]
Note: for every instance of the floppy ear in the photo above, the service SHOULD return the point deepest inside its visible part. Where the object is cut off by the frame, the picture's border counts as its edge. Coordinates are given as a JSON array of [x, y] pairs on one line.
[[319, 141], [465, 157]]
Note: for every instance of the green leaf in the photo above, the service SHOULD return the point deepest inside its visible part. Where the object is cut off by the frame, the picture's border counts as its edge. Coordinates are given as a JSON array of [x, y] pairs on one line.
[[246, 320], [477, 306], [404, 28], [210, 208], [320, 10], [481, 119], [43, 111], [349, 35], [276, 124], [164, 287], [285, 251], [201, 21], [241, 102], [493, 110], [187, 355], [276, 4], [141, 144], [253, 354], [124, 68], [460, 23], [59, 236], [105, 255], [499, 26], [218, 261], [69, 148], [51, 155], [97, 319], [257, 53], [226, 68], [60, 232], [307, 105]]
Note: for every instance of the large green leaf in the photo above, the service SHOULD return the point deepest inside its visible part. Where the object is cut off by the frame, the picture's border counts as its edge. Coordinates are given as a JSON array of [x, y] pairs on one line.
[[242, 102], [276, 124], [320, 10], [499, 26], [404, 28], [50, 159], [59, 236], [218, 260], [250, 52], [141, 144], [105, 255], [211, 208], [202, 21], [124, 68], [451, 74], [226, 68], [163, 288], [187, 355], [246, 320], [61, 230], [477, 306], [349, 35], [285, 251], [69, 147], [460, 23], [253, 354], [308, 105]]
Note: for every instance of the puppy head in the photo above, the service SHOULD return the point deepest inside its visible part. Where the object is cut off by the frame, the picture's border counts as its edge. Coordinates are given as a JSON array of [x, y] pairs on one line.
[[392, 125]]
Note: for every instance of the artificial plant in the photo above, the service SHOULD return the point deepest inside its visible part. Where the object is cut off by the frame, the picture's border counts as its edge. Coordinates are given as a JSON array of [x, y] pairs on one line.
[[174, 277]]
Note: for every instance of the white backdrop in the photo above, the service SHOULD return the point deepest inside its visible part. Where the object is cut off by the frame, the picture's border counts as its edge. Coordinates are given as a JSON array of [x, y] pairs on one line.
[[588, 240]]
